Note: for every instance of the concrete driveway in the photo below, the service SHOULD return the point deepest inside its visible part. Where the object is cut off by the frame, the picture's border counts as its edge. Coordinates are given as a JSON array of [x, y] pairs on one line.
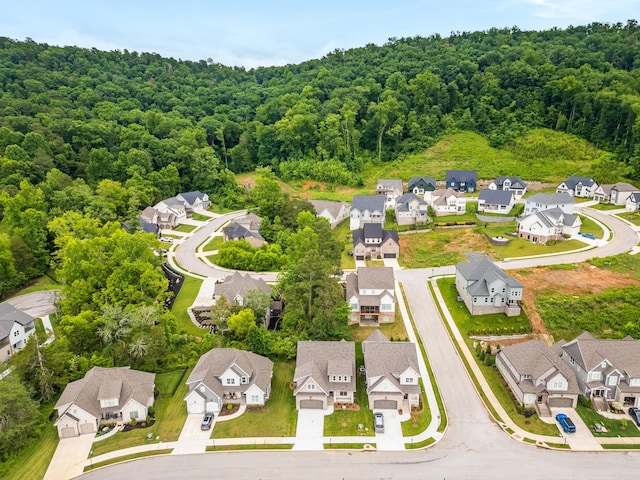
[[192, 438], [581, 439], [391, 439], [70, 457], [310, 429]]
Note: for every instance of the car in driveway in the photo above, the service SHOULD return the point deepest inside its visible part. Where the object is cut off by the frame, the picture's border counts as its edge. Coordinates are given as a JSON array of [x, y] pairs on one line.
[[378, 422], [566, 423], [635, 414], [207, 421], [590, 236]]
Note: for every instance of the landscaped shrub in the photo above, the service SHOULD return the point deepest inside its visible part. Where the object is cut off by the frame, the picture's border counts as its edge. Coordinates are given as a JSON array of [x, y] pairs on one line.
[[133, 422]]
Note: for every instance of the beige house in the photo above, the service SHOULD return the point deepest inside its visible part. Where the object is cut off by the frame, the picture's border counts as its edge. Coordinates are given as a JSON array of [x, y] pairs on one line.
[[615, 193], [446, 202], [236, 286], [366, 209], [392, 373], [104, 395], [371, 294], [245, 228], [325, 374], [410, 209], [374, 242]]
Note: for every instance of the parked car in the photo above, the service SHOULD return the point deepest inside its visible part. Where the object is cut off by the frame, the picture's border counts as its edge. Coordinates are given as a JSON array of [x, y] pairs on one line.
[[566, 423], [635, 414], [590, 236], [378, 422], [207, 421], [166, 239]]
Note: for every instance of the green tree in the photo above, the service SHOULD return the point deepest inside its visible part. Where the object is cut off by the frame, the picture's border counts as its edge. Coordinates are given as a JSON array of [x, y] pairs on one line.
[[19, 416], [241, 324]]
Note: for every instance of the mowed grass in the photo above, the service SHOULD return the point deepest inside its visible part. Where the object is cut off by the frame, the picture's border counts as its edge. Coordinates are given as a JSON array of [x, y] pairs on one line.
[[33, 461], [279, 419], [167, 383], [615, 427], [393, 331], [185, 228], [214, 244], [343, 233], [186, 296], [633, 217], [589, 226]]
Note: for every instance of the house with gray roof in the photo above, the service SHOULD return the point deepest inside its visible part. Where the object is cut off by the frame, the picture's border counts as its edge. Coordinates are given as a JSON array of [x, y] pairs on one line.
[[173, 206], [515, 185], [392, 373], [164, 220], [462, 180], [537, 375], [236, 286], [577, 186], [446, 202], [370, 292], [485, 288], [421, 185], [366, 209], [195, 201], [410, 209], [228, 375], [117, 394], [554, 224], [325, 374], [621, 191], [390, 190], [544, 201], [606, 370], [245, 228], [334, 212], [374, 242], [633, 202], [496, 201], [15, 329]]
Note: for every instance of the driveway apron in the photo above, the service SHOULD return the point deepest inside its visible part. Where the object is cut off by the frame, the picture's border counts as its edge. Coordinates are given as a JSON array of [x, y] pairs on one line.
[[392, 438], [310, 430], [70, 457], [192, 438]]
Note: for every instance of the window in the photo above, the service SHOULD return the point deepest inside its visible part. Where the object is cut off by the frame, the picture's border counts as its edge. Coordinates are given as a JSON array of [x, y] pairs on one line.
[[16, 333], [612, 380], [133, 414], [385, 306], [557, 384], [231, 381], [109, 402], [255, 398], [344, 394], [595, 375], [244, 380], [408, 380], [634, 382], [333, 378], [311, 386]]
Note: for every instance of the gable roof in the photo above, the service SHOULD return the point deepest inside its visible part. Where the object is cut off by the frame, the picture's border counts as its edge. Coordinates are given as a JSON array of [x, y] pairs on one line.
[[390, 184], [368, 202], [590, 352], [634, 197], [441, 195], [426, 180], [191, 197], [497, 197], [238, 285], [118, 382], [250, 221], [551, 198], [480, 273], [389, 360], [402, 202], [552, 217], [376, 336], [624, 187], [462, 175], [516, 182], [10, 315], [318, 359], [330, 206], [573, 180], [374, 278], [237, 231]]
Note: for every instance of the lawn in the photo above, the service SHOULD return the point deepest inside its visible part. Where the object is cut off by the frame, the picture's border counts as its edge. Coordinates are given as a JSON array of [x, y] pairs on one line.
[[32, 461], [45, 282], [167, 383], [615, 427], [185, 228], [606, 206], [186, 296], [343, 233], [215, 208], [589, 226], [420, 419], [393, 331], [280, 417], [633, 217], [214, 244], [345, 422], [131, 456], [171, 414], [200, 217]]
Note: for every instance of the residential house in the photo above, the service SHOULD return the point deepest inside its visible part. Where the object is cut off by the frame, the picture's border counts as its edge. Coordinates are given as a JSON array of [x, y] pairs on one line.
[[236, 286], [245, 228], [602, 194], [411, 209], [228, 375], [554, 224], [446, 202], [164, 220], [392, 373], [578, 186], [462, 180], [633, 202], [496, 201], [485, 288], [421, 185], [390, 190], [371, 293], [325, 374], [374, 242], [194, 201], [515, 185], [173, 206], [543, 201], [607, 370], [334, 212], [366, 209], [15, 329], [537, 375], [620, 192], [117, 394]]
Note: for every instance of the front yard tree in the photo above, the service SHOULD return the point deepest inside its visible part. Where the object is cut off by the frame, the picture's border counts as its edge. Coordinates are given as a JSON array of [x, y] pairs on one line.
[[19, 416]]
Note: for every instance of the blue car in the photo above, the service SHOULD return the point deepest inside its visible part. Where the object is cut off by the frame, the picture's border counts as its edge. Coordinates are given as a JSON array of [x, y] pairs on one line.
[[590, 236], [566, 423]]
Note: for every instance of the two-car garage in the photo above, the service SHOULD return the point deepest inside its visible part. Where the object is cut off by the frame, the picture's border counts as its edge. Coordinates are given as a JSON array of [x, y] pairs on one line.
[[385, 404], [311, 404]]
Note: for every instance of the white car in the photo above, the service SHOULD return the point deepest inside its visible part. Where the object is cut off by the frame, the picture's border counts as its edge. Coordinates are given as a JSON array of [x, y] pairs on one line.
[[166, 239]]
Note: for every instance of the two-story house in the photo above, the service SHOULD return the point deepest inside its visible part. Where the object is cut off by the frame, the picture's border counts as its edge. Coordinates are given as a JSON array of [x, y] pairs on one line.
[[553, 224], [245, 228], [371, 294], [410, 209], [390, 190], [446, 202], [515, 185], [578, 186], [164, 220], [392, 373], [496, 201], [334, 212], [173, 206], [15, 329], [543, 201], [620, 192], [228, 375], [374, 242], [195, 201], [462, 180], [633, 202], [421, 185], [325, 374], [486, 288], [104, 395], [606, 370], [366, 209], [236, 286], [537, 376]]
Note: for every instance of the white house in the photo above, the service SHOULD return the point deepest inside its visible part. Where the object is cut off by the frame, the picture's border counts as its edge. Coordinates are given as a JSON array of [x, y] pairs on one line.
[[515, 185], [620, 192], [496, 201], [15, 329], [633, 202], [334, 212], [446, 202], [366, 209], [195, 201], [544, 201], [173, 206], [578, 186], [554, 224], [390, 190], [371, 294]]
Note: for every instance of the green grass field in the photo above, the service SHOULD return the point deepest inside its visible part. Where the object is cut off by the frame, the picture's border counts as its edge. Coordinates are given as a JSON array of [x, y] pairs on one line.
[[187, 295], [625, 427], [633, 217], [185, 228], [214, 244], [32, 461]]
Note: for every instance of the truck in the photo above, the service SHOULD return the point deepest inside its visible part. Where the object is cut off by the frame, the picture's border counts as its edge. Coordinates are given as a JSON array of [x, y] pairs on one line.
[[566, 423]]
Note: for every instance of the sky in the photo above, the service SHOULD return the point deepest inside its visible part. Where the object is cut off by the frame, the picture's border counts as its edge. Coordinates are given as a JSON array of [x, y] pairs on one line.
[[253, 33]]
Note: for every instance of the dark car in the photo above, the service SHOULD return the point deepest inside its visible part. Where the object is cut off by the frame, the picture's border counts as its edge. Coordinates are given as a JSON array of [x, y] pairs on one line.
[[207, 421], [635, 414], [566, 423]]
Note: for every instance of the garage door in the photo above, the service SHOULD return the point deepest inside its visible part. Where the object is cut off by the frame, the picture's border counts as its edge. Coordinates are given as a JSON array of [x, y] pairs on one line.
[[68, 432], [87, 428], [389, 255], [311, 404], [561, 402], [385, 404], [359, 257]]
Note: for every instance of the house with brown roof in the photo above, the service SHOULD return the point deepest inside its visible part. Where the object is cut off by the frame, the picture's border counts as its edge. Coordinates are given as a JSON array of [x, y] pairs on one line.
[[104, 395], [537, 375], [370, 292], [236, 286], [164, 220], [606, 370], [374, 242], [334, 212], [392, 373], [325, 374], [615, 193], [228, 375]]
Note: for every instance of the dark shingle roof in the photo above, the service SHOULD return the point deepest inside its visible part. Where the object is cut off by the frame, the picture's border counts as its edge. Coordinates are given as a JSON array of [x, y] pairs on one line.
[[462, 175], [496, 197], [482, 272], [573, 180], [427, 180], [516, 182], [551, 199], [368, 202], [10, 315]]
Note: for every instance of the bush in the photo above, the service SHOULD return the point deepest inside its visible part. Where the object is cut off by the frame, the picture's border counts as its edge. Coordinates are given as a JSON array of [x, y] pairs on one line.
[[151, 411], [529, 412], [133, 422]]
